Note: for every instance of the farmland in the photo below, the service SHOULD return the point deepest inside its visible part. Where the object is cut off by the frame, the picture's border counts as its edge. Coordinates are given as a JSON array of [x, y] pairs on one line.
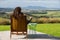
[[49, 23]]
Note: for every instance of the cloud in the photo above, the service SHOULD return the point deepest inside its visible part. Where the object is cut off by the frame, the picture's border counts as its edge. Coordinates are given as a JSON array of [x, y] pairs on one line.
[[24, 3]]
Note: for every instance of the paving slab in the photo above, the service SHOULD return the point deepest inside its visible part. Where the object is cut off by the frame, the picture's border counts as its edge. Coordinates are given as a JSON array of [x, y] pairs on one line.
[[32, 35]]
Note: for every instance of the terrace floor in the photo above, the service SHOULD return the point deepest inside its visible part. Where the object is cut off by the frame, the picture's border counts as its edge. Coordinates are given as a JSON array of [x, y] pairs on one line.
[[32, 35]]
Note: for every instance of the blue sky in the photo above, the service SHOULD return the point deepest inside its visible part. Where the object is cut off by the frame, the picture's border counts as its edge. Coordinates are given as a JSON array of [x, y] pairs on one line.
[[24, 3]]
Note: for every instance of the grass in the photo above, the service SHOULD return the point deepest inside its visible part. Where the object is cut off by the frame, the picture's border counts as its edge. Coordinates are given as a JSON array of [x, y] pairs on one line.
[[4, 27], [51, 29]]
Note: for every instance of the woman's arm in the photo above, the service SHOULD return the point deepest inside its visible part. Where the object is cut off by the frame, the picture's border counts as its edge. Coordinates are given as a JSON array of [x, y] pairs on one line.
[[29, 20]]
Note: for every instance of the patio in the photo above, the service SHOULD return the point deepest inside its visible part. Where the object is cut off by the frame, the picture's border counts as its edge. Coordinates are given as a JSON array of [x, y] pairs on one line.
[[32, 35]]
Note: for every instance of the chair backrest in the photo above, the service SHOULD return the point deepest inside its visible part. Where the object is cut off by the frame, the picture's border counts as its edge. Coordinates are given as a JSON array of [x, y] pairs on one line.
[[19, 24]]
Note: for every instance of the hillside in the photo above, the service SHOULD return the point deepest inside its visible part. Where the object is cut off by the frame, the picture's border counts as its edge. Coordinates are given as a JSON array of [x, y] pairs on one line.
[[6, 9]]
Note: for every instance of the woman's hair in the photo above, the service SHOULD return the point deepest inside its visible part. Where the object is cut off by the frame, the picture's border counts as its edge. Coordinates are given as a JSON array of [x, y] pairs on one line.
[[17, 10]]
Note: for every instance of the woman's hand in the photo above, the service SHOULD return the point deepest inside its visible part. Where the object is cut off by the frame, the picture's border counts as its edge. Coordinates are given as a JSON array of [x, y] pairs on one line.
[[29, 20], [30, 17]]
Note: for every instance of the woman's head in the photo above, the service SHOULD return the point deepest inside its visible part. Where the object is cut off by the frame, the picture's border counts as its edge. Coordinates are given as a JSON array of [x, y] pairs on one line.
[[17, 10]]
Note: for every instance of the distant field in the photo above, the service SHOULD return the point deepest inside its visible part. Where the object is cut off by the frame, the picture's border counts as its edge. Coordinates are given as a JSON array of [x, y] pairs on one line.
[[51, 29], [55, 14]]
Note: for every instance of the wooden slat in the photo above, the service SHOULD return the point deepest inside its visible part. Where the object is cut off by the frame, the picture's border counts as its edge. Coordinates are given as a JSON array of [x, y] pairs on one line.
[[19, 25]]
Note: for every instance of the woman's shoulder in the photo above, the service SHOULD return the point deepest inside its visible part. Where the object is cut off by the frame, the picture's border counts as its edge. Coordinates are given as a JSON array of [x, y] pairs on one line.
[[12, 15]]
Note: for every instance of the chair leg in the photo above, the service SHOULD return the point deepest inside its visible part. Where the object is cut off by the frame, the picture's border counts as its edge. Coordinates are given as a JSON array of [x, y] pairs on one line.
[[17, 33], [10, 35], [26, 35], [22, 33]]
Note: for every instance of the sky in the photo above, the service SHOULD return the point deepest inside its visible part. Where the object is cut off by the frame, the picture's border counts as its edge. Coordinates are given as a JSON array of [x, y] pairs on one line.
[[25, 3]]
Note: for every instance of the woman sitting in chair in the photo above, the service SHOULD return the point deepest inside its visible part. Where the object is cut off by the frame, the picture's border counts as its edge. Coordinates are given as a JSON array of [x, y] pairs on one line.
[[19, 21]]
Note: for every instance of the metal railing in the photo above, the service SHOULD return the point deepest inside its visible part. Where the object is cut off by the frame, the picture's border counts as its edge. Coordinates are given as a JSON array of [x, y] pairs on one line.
[[32, 27]]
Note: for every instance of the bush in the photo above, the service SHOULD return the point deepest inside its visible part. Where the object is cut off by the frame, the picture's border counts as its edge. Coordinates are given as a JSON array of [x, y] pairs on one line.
[[54, 20], [48, 20], [34, 20], [5, 23], [42, 20]]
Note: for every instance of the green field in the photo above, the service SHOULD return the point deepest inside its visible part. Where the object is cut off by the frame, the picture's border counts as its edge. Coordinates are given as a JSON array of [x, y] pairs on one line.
[[51, 29], [4, 27]]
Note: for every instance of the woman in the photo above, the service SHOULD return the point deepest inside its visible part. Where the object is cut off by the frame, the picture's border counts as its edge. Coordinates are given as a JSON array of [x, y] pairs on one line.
[[19, 21]]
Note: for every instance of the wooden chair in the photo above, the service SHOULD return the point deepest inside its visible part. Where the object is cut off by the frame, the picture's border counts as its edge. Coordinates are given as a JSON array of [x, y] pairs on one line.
[[18, 26]]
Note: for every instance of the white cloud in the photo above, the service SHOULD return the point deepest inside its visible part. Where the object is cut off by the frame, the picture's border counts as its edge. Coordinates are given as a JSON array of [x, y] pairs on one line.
[[22, 3]]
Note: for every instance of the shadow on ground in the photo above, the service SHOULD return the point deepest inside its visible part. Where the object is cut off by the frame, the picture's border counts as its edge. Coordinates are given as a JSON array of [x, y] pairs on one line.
[[40, 36]]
